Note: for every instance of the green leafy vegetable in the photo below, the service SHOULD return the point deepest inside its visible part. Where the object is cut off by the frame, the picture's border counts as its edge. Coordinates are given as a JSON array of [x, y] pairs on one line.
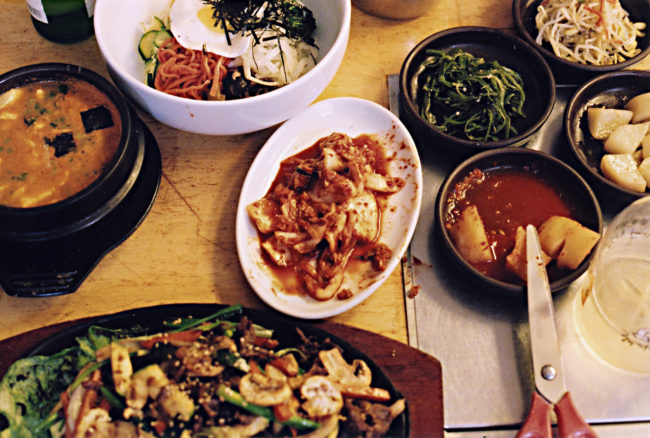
[[467, 96], [32, 387]]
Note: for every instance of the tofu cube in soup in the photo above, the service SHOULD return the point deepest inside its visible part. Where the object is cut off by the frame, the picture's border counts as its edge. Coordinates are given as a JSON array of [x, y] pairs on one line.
[[469, 235]]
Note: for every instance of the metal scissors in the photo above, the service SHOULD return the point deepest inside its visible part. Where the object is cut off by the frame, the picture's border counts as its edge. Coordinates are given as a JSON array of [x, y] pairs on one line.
[[550, 388]]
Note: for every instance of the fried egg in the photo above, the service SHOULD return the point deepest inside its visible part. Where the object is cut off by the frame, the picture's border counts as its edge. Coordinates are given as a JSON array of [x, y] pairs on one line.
[[194, 27]]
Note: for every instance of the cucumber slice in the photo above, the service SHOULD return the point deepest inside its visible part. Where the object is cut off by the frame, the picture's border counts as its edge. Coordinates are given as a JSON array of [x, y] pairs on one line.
[[161, 37], [150, 67], [150, 41], [157, 24], [145, 46]]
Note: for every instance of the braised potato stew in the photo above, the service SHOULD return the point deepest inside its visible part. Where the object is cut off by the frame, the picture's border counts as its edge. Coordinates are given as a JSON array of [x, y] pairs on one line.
[[56, 137]]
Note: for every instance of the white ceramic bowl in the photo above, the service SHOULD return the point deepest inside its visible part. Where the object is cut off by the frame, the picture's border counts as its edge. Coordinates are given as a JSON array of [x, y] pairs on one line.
[[118, 27], [350, 116]]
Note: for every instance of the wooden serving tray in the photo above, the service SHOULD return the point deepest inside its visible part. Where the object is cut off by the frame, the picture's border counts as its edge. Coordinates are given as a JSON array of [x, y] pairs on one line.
[[417, 375]]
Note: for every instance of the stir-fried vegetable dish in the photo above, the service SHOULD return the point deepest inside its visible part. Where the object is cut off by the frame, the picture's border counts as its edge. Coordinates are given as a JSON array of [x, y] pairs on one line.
[[467, 96], [217, 376]]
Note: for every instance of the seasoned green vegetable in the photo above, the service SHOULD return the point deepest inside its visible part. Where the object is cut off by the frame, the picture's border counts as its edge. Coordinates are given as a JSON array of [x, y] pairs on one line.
[[467, 96]]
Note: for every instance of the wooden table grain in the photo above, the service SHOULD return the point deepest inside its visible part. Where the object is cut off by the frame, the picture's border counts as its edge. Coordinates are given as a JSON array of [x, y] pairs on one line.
[[185, 250]]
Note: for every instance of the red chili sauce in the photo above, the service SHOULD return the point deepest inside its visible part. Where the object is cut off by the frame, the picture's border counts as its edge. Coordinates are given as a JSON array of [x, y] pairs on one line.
[[507, 199]]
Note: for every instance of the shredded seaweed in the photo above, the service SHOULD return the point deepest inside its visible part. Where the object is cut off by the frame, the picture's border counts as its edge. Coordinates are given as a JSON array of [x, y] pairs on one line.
[[467, 96], [289, 18]]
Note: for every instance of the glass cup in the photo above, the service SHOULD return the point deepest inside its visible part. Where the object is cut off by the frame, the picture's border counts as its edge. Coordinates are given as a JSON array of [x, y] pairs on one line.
[[613, 311]]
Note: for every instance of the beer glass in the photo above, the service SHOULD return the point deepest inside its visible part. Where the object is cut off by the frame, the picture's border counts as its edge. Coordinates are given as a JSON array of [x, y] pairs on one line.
[[613, 312]]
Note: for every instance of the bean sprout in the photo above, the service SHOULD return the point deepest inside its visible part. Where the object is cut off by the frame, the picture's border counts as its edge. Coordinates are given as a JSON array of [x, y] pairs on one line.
[[597, 32]]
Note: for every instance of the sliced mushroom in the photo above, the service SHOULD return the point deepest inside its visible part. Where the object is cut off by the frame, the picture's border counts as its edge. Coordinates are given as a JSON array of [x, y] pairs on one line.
[[357, 374], [321, 397], [263, 390]]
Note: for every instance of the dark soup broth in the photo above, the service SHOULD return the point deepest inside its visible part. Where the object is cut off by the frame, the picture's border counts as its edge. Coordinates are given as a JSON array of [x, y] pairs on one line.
[[507, 199], [56, 138]]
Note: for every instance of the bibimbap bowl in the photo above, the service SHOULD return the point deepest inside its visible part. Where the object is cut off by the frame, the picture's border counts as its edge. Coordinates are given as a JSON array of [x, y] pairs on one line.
[[120, 24], [43, 221]]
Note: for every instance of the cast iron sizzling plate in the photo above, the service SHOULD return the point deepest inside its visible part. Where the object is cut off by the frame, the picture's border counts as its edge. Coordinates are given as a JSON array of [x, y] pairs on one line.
[[59, 266], [284, 331]]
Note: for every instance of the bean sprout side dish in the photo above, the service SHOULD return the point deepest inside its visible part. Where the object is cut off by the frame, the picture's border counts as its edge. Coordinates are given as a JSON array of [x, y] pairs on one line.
[[596, 32], [224, 50], [217, 376]]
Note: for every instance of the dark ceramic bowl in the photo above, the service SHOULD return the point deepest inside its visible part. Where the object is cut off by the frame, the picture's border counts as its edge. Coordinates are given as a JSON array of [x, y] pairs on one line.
[[577, 192], [491, 44], [612, 90], [99, 198], [569, 72]]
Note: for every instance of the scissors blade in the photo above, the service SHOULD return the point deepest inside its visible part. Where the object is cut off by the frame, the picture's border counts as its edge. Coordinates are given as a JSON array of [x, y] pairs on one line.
[[545, 347]]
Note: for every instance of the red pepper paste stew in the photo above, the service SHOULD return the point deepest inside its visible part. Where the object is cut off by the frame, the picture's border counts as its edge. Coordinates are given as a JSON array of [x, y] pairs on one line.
[[507, 199], [56, 137]]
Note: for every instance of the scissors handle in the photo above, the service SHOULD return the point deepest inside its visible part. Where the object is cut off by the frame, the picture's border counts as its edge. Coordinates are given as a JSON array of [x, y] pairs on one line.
[[538, 421], [570, 422]]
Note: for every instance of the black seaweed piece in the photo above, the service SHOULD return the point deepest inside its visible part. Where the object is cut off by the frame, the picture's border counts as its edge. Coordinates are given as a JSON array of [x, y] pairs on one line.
[[96, 118], [62, 144], [236, 86]]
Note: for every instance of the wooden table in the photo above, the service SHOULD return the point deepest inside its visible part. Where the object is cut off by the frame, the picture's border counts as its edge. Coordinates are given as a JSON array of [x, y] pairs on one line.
[[185, 251]]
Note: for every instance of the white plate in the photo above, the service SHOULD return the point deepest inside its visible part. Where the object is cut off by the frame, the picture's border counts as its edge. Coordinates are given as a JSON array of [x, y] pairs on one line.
[[350, 116]]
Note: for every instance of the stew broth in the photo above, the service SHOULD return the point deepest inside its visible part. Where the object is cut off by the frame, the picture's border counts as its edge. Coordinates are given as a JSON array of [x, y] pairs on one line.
[[56, 138], [507, 199]]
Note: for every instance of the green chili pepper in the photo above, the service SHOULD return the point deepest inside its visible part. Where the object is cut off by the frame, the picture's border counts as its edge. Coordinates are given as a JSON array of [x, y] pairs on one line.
[[233, 397]]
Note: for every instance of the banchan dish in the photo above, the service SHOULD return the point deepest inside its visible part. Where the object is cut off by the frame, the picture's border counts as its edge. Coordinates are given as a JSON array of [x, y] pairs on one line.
[[553, 175], [610, 90], [568, 72], [484, 45], [56, 227]]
